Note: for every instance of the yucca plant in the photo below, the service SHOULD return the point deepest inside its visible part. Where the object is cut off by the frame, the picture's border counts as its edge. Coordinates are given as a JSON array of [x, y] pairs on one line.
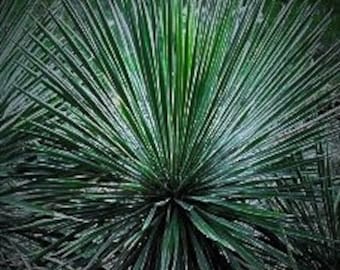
[[316, 211], [11, 19], [169, 127], [15, 245]]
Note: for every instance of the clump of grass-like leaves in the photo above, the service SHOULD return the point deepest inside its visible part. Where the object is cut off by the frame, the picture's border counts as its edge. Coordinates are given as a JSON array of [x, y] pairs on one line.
[[169, 128]]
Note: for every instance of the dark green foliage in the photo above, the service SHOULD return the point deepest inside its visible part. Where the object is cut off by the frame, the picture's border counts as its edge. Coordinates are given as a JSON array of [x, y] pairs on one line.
[[174, 135], [319, 214]]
